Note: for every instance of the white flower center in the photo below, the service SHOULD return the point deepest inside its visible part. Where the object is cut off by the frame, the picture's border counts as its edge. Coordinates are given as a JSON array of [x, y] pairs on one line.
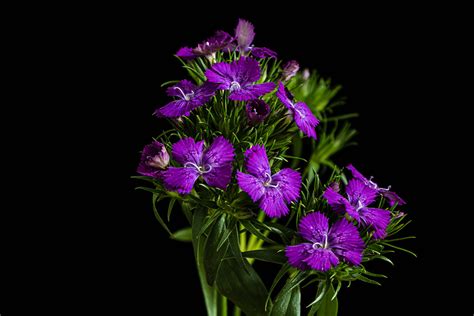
[[268, 181], [234, 85], [185, 96], [200, 169]]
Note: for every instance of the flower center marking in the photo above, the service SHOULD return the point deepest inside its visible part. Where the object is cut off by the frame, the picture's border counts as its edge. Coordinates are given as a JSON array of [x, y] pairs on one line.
[[268, 181], [185, 96], [318, 245], [234, 85], [200, 169]]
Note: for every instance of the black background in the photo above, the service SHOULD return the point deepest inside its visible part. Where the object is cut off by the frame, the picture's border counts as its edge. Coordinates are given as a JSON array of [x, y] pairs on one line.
[[102, 250]]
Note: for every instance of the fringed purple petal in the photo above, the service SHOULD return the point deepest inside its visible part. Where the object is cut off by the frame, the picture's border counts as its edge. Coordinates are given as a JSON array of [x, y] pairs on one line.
[[273, 203], [314, 227], [218, 159], [321, 259], [360, 195], [377, 219], [263, 52], [187, 150], [393, 198], [339, 203], [180, 180], [244, 34], [288, 181], [297, 254], [186, 53], [251, 185], [256, 162], [305, 119], [345, 241], [251, 92]]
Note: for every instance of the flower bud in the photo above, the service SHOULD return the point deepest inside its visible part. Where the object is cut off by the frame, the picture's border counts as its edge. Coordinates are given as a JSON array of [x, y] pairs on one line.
[[257, 111], [290, 69]]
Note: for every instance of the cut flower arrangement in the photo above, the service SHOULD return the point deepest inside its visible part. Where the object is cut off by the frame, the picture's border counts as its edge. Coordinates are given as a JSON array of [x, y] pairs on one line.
[[248, 162]]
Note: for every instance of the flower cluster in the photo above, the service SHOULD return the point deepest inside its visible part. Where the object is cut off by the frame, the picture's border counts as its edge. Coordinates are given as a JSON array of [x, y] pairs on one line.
[[236, 122]]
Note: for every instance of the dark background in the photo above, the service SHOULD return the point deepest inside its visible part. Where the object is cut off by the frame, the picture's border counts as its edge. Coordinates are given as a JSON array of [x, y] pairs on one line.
[[94, 244], [380, 64]]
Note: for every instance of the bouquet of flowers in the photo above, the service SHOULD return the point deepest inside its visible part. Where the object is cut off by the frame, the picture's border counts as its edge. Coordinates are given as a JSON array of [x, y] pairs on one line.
[[248, 161]]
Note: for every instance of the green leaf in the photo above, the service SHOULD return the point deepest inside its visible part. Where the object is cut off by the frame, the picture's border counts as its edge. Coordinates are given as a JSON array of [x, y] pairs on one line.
[[284, 269], [157, 215], [254, 231], [329, 304], [366, 279], [212, 256], [268, 255], [242, 285], [288, 303], [185, 234], [209, 292], [170, 208]]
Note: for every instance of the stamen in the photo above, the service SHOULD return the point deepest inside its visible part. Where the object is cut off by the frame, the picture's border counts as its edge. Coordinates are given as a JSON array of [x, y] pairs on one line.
[[185, 96], [200, 169], [268, 182], [317, 245], [234, 85]]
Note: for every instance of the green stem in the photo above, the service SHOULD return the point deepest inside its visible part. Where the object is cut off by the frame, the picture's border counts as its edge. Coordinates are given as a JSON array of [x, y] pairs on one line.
[[253, 239], [223, 306], [209, 292], [237, 311]]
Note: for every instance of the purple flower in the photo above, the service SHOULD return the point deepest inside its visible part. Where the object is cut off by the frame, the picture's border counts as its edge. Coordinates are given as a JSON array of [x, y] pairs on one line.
[[326, 246], [257, 111], [244, 34], [359, 198], [304, 118], [188, 97], [154, 159], [221, 40], [238, 77], [273, 192], [391, 196], [290, 69], [214, 164]]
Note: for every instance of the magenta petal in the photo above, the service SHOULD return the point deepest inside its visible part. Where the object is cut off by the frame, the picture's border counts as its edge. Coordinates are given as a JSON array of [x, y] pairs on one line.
[[273, 203], [357, 174], [222, 74], [186, 53], [184, 86], [180, 180], [339, 203], [174, 109], [305, 119], [218, 159], [244, 33], [345, 241], [187, 150], [393, 198], [251, 185], [263, 52], [314, 227], [251, 92], [247, 70], [256, 162], [289, 183], [377, 219], [359, 193], [322, 259], [297, 254], [285, 96]]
